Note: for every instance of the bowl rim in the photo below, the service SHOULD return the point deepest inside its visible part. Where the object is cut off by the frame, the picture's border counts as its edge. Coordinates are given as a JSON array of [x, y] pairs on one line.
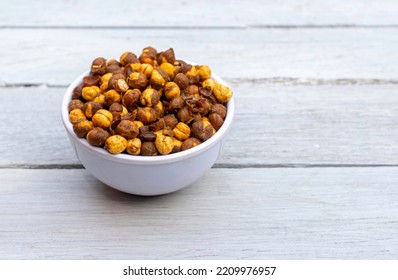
[[145, 160]]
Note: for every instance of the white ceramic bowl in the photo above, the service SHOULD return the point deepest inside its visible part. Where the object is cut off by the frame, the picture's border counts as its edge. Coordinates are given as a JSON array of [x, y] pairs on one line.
[[147, 175]]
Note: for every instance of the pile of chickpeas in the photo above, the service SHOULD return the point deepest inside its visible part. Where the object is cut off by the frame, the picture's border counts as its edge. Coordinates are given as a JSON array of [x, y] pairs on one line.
[[151, 104]]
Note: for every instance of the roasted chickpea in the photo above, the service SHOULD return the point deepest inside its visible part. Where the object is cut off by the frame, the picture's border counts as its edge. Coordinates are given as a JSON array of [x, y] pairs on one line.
[[127, 129], [75, 104], [168, 69], [90, 108], [134, 146], [102, 118], [112, 96], [222, 93], [90, 81], [81, 128], [150, 97], [216, 120], [104, 81], [131, 98], [164, 144], [146, 69], [204, 72], [127, 58], [148, 149], [117, 110], [76, 115], [171, 90], [220, 110], [97, 136], [159, 110], [182, 81], [89, 93], [190, 143], [159, 78], [177, 145], [203, 130], [137, 80], [166, 56], [170, 121], [146, 115], [115, 144], [100, 99], [181, 131], [192, 75], [98, 66], [209, 84], [148, 55]]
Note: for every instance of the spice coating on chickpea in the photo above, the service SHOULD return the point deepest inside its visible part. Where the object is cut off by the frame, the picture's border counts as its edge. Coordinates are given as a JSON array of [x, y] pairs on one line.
[[76, 115], [137, 80], [182, 81], [166, 56], [97, 136], [89, 93], [204, 72], [131, 98], [168, 68], [148, 149], [134, 146], [159, 78], [102, 118], [127, 58], [146, 69], [190, 143], [171, 90], [127, 129], [104, 81], [203, 130], [90, 108], [82, 127], [222, 93], [150, 97], [115, 144], [112, 96], [164, 144], [75, 104], [209, 84], [98, 66], [146, 115], [182, 131]]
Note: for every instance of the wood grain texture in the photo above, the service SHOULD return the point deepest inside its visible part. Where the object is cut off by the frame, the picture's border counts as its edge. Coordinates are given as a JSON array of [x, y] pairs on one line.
[[263, 54], [273, 125], [327, 213], [197, 13]]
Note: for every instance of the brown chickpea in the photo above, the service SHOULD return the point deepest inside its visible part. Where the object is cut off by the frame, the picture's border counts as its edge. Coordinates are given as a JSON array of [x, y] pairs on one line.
[[97, 136], [82, 127], [190, 143], [127, 129], [76, 115]]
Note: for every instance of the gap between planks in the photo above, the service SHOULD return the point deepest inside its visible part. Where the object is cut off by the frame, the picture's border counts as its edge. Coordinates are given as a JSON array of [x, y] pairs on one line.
[[288, 81], [220, 27], [215, 166]]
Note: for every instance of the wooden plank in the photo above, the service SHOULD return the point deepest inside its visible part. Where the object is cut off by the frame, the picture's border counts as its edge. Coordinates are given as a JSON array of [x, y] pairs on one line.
[[315, 213], [273, 125], [56, 57], [197, 13]]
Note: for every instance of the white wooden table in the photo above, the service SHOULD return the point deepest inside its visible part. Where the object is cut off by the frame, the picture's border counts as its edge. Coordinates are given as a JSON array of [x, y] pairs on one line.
[[310, 168]]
